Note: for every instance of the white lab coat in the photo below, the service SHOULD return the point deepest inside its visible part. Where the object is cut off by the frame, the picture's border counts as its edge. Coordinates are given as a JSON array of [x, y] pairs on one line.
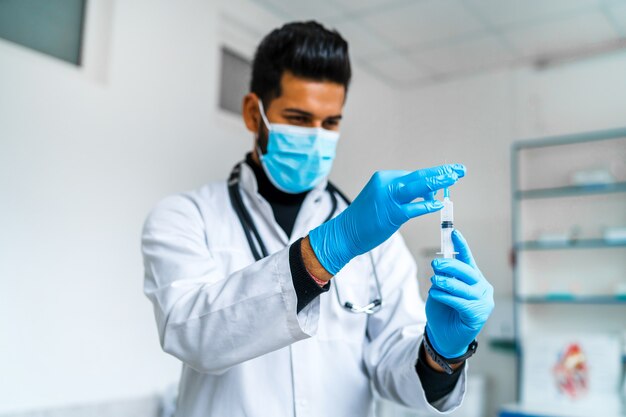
[[233, 323]]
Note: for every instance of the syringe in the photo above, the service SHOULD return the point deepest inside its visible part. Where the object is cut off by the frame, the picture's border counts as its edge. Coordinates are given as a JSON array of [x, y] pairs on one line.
[[447, 226]]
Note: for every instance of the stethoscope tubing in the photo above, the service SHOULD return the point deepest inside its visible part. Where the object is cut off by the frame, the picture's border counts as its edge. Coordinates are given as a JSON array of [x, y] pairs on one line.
[[259, 251]]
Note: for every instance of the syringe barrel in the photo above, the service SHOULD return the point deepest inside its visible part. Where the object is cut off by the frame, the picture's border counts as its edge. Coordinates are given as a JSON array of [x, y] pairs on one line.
[[447, 212], [447, 247], [447, 226]]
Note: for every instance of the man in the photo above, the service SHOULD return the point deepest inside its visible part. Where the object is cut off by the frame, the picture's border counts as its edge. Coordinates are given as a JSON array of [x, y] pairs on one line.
[[268, 323]]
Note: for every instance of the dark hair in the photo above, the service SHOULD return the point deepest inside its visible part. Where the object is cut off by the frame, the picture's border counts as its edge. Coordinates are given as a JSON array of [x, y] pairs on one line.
[[306, 49]]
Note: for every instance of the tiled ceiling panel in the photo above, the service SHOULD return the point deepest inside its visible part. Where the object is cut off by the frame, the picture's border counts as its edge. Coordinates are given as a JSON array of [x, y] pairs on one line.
[[362, 42], [562, 35], [363, 6], [422, 22], [412, 42], [465, 55], [301, 10], [616, 12], [506, 13], [397, 69]]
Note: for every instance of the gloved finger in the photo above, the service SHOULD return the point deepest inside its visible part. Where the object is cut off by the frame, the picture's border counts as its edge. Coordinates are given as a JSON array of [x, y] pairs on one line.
[[458, 169], [456, 268], [391, 175], [457, 287], [461, 246], [452, 301], [423, 187], [420, 208]]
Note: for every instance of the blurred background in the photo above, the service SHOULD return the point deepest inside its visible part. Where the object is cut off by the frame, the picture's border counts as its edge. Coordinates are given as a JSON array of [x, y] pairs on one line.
[[107, 106]]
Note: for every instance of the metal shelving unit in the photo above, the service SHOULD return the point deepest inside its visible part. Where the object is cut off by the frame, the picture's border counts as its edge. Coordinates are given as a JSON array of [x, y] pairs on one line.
[[573, 244], [570, 299], [523, 246], [572, 190]]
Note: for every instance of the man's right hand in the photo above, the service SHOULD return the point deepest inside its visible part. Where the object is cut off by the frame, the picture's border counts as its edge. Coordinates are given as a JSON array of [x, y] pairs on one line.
[[385, 203]]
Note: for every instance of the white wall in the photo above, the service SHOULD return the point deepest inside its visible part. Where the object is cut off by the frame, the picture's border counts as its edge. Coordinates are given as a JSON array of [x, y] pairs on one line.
[[81, 163], [474, 121], [84, 155]]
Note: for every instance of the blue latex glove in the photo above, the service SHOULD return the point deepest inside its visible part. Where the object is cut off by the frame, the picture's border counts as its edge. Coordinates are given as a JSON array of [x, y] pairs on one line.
[[384, 204], [459, 301]]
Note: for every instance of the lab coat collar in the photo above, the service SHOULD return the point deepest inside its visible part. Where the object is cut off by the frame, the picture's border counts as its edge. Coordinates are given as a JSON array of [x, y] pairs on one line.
[[248, 184]]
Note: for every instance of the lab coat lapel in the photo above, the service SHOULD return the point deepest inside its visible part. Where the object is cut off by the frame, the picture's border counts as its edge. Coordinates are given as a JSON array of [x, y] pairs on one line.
[[314, 210]]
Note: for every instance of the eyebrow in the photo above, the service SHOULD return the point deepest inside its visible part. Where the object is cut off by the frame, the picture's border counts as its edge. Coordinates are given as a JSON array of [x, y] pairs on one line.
[[308, 114]]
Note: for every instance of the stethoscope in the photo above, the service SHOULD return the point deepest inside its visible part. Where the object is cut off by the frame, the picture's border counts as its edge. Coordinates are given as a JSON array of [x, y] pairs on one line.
[[259, 250]]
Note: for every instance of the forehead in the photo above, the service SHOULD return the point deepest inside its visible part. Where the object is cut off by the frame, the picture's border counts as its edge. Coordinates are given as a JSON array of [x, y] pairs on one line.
[[317, 97]]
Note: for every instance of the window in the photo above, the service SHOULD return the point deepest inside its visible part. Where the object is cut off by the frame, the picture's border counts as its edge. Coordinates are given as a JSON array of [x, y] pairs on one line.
[[234, 80], [54, 27]]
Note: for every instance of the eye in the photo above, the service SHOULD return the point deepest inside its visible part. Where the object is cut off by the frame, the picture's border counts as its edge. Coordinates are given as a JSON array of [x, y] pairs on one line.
[[331, 124], [300, 120]]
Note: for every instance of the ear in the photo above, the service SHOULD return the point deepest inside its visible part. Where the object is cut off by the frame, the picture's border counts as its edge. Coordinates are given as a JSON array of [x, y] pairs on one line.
[[250, 112]]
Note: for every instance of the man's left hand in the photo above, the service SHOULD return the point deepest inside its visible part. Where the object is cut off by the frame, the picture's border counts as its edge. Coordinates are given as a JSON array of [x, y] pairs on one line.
[[459, 301]]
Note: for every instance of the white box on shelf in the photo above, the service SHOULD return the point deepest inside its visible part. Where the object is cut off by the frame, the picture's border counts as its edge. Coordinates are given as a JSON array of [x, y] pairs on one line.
[[615, 234], [598, 176]]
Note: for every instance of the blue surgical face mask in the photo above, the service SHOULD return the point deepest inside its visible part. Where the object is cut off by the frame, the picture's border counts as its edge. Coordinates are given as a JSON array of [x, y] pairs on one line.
[[298, 158]]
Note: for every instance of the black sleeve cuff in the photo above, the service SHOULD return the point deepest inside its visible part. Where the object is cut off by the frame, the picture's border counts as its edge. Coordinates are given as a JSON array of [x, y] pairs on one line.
[[436, 384], [306, 288]]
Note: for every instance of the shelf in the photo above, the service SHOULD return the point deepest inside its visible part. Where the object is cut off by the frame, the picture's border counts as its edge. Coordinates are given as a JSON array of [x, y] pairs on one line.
[[572, 299], [557, 306], [571, 190], [574, 244], [571, 139], [519, 410], [504, 345]]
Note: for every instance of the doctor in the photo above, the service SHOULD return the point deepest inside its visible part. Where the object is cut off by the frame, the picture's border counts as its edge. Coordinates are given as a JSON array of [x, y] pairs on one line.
[[282, 299]]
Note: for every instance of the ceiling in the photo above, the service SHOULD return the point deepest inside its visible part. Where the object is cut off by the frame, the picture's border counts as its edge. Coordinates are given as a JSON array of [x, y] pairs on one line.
[[417, 42]]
